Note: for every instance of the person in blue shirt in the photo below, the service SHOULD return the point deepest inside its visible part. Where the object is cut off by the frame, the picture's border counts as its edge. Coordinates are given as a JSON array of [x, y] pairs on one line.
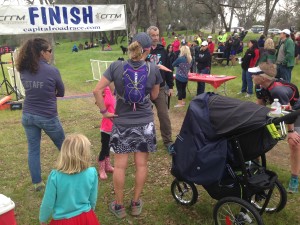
[[183, 64], [71, 191], [75, 48]]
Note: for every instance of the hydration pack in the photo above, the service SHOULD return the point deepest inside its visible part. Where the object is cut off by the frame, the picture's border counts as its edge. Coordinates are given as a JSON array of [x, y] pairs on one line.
[[134, 81]]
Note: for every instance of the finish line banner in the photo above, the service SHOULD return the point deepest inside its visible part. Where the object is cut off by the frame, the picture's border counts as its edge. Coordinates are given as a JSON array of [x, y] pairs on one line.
[[61, 18]]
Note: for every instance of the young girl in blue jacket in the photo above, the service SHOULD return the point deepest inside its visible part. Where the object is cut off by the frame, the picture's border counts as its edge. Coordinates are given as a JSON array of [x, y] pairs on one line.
[[71, 191]]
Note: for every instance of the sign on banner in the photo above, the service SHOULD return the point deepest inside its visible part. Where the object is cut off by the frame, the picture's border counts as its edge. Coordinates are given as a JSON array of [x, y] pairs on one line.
[[61, 18]]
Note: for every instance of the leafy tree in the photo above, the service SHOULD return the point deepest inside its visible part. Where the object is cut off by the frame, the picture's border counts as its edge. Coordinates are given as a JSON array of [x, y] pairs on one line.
[[248, 12]]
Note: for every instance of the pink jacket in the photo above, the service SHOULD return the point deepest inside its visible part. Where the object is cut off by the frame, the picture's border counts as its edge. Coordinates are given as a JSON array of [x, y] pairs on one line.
[[211, 47], [110, 102], [176, 45]]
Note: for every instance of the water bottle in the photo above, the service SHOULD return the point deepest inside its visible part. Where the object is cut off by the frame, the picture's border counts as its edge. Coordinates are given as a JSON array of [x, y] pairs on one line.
[[276, 108]]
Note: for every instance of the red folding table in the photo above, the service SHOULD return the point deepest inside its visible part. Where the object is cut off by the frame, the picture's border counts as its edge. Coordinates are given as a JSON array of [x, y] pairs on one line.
[[214, 80]]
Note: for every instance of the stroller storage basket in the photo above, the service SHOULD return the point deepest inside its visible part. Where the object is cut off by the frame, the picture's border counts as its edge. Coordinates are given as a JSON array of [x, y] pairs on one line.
[[233, 186], [225, 188], [262, 180]]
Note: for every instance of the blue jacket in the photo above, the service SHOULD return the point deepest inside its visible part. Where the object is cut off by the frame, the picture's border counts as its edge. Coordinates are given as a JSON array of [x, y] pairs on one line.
[[183, 68]]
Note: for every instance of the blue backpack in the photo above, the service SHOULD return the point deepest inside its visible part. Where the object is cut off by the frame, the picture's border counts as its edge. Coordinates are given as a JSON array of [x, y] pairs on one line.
[[134, 81]]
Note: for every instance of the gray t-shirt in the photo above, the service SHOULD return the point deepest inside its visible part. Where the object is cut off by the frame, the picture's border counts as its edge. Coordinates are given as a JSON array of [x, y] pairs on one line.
[[41, 90], [281, 55], [283, 94], [126, 115]]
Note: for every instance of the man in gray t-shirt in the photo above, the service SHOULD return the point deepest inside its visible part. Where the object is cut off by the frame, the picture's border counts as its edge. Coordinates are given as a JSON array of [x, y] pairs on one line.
[[285, 56]]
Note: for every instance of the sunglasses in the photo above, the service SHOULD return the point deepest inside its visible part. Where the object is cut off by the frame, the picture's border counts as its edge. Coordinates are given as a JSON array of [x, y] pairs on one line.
[[49, 50]]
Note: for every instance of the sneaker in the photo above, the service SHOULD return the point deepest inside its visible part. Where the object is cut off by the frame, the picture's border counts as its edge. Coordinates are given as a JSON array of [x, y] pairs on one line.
[[136, 207], [39, 186], [293, 186], [240, 93], [167, 145], [248, 95], [117, 210], [170, 148], [178, 105]]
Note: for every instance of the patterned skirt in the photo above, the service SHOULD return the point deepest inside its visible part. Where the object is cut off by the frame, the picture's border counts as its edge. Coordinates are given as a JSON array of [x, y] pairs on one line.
[[85, 218], [133, 139]]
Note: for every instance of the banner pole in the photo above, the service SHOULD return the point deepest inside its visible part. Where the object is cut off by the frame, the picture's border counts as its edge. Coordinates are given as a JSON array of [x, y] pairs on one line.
[[126, 23]]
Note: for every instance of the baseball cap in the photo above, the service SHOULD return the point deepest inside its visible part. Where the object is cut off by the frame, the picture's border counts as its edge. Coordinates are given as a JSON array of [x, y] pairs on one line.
[[286, 31], [264, 68], [204, 43], [144, 40], [209, 36]]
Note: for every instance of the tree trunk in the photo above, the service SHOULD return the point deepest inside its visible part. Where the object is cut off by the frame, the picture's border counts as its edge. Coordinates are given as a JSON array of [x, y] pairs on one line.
[[104, 37], [214, 21], [112, 38], [223, 19], [269, 13], [151, 7], [134, 18], [117, 33], [231, 15]]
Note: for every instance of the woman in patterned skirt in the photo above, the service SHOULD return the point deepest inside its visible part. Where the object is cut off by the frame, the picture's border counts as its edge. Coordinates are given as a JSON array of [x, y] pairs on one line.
[[133, 130]]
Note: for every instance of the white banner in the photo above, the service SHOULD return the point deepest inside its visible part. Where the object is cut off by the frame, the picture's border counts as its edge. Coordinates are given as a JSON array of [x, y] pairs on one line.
[[61, 18]]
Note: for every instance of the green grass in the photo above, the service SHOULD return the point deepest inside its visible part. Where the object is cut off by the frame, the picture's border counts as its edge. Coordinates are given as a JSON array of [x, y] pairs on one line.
[[81, 115]]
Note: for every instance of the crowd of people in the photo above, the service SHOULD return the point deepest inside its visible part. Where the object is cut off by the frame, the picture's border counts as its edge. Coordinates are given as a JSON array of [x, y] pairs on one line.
[[128, 126]]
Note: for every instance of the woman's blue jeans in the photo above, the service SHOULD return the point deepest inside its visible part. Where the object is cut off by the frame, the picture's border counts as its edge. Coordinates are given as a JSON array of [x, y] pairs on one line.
[[247, 83], [201, 85], [33, 126]]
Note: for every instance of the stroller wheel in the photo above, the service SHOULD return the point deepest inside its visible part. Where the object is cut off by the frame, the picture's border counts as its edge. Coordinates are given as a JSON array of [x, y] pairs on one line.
[[277, 201], [185, 193], [236, 211]]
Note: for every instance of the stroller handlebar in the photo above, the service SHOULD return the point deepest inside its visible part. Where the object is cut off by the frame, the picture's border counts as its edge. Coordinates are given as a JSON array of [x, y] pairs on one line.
[[289, 118]]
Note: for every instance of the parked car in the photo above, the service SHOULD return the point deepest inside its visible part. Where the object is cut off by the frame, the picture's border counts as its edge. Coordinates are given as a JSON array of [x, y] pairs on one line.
[[257, 28], [237, 29], [274, 31]]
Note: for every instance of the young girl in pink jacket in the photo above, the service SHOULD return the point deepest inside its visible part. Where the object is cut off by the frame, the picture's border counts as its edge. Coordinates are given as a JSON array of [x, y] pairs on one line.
[[105, 129]]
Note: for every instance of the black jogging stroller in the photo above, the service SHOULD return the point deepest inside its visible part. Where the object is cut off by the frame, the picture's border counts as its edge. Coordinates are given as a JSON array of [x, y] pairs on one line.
[[221, 146]]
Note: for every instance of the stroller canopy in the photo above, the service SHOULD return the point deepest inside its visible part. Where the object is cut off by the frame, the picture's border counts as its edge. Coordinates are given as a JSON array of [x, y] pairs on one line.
[[229, 116]]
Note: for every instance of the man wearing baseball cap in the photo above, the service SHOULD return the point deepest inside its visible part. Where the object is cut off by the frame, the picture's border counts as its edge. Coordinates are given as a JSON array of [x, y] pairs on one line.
[[203, 60], [211, 45], [267, 89], [285, 56]]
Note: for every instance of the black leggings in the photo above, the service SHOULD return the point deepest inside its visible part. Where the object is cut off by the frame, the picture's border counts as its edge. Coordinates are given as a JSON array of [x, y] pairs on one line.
[[105, 146], [181, 88]]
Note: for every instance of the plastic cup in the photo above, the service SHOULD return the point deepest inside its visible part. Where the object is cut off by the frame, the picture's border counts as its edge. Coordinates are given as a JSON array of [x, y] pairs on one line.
[[240, 60]]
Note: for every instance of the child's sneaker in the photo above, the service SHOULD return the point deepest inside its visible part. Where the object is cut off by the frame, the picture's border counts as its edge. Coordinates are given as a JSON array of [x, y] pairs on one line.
[[293, 185], [136, 207], [117, 210], [39, 186]]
